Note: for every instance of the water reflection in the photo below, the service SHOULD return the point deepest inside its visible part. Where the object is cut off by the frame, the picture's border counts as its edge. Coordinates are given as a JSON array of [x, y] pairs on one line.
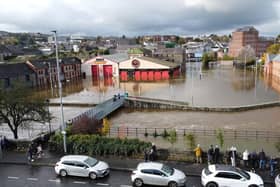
[[217, 86]]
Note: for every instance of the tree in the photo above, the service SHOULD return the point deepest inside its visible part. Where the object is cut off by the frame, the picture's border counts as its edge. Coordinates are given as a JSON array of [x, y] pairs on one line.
[[190, 140], [246, 55], [278, 38], [87, 125], [220, 137], [273, 49], [18, 109]]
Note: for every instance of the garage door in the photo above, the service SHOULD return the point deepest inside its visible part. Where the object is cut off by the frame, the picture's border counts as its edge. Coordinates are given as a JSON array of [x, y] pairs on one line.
[[107, 71], [95, 72]]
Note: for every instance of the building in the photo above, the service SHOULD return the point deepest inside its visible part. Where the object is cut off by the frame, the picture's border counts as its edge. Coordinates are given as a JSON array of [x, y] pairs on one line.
[[176, 55], [46, 70], [248, 36], [147, 69], [272, 66], [16, 73]]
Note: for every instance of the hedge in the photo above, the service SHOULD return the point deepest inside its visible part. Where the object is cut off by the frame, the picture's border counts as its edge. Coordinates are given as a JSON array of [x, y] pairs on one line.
[[98, 145]]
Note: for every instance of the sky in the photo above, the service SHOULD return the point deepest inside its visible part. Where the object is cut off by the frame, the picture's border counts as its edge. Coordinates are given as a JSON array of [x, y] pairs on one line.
[[139, 17]]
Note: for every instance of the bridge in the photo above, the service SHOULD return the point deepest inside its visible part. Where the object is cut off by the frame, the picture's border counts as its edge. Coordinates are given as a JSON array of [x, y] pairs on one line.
[[100, 111]]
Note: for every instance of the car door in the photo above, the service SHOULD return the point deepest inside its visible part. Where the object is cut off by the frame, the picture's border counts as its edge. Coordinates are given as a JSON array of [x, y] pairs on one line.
[[160, 178], [69, 167], [147, 176], [229, 179], [81, 169]]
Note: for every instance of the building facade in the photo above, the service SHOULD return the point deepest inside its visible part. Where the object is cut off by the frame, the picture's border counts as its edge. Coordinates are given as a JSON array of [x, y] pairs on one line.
[[248, 36]]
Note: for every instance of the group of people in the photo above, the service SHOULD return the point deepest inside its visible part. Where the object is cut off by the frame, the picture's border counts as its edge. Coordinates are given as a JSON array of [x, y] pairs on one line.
[[151, 155], [250, 160], [34, 151], [116, 96]]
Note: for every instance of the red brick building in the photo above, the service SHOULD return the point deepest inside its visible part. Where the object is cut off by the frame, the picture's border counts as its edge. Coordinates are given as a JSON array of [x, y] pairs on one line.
[[248, 36]]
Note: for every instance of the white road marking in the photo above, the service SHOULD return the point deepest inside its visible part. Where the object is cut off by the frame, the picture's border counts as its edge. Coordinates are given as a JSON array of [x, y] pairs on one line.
[[54, 180], [79, 182], [10, 177], [102, 184], [32, 179], [123, 185]]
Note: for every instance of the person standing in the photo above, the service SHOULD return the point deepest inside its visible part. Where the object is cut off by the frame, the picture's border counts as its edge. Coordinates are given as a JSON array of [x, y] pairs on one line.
[[210, 154], [233, 156], [253, 158], [216, 154], [198, 154], [272, 165], [245, 158], [262, 158]]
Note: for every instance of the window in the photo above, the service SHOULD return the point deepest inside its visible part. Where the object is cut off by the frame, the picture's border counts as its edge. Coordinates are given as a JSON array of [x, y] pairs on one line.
[[81, 165], [68, 163], [147, 171], [228, 175], [159, 173]]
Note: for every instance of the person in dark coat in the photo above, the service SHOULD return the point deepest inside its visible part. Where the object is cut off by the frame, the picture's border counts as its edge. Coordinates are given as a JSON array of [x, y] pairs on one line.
[[262, 158], [253, 158], [216, 154], [210, 154], [272, 165]]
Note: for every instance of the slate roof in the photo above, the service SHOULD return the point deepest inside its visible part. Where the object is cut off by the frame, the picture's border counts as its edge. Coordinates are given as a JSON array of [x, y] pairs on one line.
[[161, 62], [14, 70], [118, 57], [43, 63]]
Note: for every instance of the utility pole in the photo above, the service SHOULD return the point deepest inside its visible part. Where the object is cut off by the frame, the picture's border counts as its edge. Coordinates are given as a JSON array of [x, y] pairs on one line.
[[62, 125]]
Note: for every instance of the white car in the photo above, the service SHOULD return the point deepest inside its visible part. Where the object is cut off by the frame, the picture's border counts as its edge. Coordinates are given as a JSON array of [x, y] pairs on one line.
[[154, 173], [277, 181], [225, 175], [82, 166]]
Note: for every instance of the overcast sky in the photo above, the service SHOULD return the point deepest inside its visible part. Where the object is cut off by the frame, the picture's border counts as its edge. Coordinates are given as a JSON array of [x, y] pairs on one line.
[[139, 17]]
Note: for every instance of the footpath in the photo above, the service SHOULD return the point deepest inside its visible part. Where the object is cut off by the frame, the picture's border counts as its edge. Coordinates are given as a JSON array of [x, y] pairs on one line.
[[116, 163]]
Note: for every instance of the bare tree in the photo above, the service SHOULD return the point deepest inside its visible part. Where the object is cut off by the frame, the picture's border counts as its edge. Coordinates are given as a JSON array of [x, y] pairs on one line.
[[17, 108], [246, 54]]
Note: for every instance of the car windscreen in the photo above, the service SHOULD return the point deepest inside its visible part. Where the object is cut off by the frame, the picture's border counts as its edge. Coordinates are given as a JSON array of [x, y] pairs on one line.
[[168, 170], [91, 161], [243, 173]]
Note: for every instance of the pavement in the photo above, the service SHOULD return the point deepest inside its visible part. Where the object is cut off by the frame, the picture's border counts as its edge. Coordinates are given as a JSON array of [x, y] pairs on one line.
[[115, 163]]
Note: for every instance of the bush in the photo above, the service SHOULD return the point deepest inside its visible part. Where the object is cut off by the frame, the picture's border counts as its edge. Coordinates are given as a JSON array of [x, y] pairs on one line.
[[98, 145]]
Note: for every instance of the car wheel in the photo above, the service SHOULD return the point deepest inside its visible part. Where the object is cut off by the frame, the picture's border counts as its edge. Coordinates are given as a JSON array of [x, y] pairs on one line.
[[63, 173], [211, 184], [138, 182], [253, 185], [92, 175], [172, 184]]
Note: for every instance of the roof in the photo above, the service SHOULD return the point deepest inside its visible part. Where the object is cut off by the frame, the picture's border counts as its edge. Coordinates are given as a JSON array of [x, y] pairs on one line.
[[221, 167], [149, 165], [14, 70], [118, 57], [43, 63], [161, 62], [246, 29], [74, 157], [135, 51]]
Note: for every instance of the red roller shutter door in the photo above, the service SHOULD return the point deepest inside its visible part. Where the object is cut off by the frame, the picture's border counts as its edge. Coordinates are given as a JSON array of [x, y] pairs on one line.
[[137, 76], [107, 71], [165, 75], [151, 75], [144, 75], [176, 72], [94, 72], [157, 75], [123, 75]]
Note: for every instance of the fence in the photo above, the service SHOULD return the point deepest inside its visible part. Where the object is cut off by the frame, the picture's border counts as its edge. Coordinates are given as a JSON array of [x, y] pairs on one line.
[[227, 133]]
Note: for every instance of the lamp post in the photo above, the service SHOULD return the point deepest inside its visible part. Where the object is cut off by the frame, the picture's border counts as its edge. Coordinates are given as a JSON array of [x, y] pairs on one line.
[[62, 125], [48, 103]]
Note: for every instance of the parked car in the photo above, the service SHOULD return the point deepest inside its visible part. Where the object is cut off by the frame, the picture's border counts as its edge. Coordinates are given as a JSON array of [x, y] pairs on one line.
[[277, 181], [83, 166], [154, 173], [225, 175]]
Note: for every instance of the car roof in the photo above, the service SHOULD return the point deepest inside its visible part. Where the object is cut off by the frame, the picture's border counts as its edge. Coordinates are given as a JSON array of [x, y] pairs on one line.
[[74, 157], [149, 165], [221, 167]]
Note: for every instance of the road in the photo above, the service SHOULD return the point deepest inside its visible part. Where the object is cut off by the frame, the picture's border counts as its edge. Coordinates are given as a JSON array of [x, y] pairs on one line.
[[34, 176]]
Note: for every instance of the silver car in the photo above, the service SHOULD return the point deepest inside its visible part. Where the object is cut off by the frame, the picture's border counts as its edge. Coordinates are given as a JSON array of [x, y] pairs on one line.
[[159, 174], [82, 166]]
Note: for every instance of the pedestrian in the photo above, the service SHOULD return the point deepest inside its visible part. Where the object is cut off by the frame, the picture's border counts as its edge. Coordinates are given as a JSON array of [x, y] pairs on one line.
[[39, 152], [146, 155], [253, 158], [153, 152], [198, 154], [262, 158], [216, 154], [245, 158], [119, 95], [272, 165], [210, 154], [30, 154], [233, 151]]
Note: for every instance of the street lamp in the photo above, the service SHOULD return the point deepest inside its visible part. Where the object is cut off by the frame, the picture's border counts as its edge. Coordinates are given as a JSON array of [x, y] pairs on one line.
[[62, 125], [48, 103]]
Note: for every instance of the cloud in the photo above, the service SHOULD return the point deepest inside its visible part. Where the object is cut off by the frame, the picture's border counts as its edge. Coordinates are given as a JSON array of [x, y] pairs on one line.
[[137, 17]]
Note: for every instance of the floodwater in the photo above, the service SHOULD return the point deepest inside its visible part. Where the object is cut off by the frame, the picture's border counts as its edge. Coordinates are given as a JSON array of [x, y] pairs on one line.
[[217, 86]]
